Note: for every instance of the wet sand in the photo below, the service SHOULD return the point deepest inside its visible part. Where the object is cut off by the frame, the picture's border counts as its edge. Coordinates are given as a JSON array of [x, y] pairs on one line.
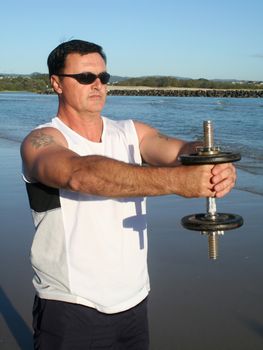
[[195, 303], [16, 232]]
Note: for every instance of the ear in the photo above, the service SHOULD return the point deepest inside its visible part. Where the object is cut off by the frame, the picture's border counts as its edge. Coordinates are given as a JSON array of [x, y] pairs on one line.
[[55, 83]]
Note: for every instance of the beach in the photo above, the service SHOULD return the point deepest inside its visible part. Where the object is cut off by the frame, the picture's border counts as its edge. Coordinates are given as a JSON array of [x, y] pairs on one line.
[[194, 303], [15, 270]]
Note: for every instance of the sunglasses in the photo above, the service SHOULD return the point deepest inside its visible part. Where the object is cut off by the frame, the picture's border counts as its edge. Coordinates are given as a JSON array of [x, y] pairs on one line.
[[88, 78]]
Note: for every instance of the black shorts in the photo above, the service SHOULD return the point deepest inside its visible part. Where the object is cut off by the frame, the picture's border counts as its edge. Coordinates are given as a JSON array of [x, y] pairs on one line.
[[64, 326]]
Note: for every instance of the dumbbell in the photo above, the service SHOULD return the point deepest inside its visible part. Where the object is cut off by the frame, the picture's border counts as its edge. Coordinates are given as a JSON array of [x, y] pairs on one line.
[[210, 223]]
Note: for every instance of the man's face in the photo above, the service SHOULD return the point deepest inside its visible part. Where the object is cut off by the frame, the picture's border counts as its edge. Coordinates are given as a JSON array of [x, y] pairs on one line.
[[83, 98]]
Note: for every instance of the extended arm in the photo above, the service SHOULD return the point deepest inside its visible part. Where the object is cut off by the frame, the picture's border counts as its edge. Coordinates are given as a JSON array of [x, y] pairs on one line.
[[47, 159], [161, 150]]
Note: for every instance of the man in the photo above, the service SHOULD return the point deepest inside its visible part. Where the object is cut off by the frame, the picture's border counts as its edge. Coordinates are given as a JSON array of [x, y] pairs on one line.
[[86, 189]]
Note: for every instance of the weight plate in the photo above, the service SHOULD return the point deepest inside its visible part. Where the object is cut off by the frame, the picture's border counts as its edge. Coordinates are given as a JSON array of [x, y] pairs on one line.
[[221, 222], [221, 157]]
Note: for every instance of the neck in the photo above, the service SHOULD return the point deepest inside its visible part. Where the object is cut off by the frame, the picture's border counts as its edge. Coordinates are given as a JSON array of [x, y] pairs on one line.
[[88, 125]]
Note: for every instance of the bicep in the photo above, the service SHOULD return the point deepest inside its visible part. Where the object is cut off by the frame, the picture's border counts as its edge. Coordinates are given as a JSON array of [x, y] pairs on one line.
[[46, 158], [156, 148]]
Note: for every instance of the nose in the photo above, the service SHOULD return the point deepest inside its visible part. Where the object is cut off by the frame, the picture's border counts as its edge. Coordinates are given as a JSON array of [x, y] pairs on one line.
[[97, 83]]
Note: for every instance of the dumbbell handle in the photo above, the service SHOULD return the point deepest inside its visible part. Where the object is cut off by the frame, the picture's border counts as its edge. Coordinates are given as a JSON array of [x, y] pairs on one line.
[[209, 144], [211, 207]]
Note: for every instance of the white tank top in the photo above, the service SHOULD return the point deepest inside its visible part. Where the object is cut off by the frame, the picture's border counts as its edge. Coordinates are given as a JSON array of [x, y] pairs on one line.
[[91, 250]]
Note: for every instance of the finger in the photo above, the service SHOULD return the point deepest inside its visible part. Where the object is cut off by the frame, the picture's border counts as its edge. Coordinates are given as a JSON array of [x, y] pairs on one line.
[[226, 173], [223, 187], [224, 181], [223, 193], [219, 168]]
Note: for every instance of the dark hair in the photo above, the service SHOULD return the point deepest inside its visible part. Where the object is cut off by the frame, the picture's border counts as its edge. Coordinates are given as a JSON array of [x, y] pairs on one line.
[[57, 57]]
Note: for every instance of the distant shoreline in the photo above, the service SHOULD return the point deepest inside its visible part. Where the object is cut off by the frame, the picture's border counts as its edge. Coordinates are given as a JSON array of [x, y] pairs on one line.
[[168, 92], [183, 92]]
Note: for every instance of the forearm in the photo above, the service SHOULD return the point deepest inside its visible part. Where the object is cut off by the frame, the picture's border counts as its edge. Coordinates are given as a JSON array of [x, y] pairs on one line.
[[107, 177], [188, 148], [103, 176]]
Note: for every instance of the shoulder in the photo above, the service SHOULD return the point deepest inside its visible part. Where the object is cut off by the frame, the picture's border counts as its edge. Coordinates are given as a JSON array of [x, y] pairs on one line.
[[39, 147], [44, 136], [40, 142]]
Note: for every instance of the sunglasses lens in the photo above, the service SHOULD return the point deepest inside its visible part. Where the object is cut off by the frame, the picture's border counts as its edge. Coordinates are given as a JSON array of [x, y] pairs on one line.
[[104, 77], [89, 78], [86, 78]]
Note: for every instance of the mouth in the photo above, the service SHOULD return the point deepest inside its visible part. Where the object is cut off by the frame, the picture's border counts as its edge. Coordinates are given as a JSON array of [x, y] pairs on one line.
[[95, 96]]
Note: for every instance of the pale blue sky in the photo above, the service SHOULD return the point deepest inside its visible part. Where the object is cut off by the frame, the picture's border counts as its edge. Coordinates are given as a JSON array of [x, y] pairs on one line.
[[216, 39]]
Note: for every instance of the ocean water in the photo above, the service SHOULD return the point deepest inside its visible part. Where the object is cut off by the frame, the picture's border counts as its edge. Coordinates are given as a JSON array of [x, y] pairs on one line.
[[195, 303], [238, 123]]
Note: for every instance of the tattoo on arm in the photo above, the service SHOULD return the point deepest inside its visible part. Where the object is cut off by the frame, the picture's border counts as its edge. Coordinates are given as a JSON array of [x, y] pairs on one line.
[[41, 139]]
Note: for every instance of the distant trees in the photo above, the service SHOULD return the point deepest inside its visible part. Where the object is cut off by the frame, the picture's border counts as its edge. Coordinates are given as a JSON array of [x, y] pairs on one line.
[[39, 83], [35, 82], [168, 81]]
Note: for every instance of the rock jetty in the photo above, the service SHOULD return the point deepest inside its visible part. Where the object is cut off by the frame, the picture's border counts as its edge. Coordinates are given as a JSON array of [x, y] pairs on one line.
[[180, 92]]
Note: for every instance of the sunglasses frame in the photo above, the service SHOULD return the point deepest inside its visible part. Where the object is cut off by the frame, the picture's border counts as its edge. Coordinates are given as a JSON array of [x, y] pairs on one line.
[[87, 78]]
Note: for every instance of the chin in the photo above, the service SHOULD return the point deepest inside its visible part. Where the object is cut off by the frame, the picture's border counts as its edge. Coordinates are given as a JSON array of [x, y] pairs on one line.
[[97, 106]]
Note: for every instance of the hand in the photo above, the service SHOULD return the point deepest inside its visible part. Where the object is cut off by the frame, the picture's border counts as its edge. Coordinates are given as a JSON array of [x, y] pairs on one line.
[[195, 181], [223, 179]]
